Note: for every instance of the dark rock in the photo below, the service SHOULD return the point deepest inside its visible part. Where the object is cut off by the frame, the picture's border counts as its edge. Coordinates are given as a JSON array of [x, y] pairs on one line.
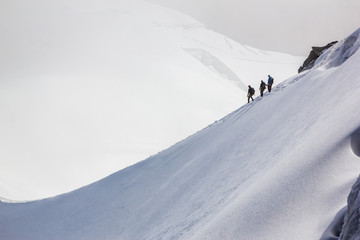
[[314, 54]]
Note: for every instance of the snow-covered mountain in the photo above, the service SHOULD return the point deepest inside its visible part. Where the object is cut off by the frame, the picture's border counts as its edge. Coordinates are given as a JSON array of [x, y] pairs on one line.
[[280, 167], [90, 87]]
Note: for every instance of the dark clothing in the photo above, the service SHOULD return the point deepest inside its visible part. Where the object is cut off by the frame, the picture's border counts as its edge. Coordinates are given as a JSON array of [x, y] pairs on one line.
[[251, 92], [262, 88]]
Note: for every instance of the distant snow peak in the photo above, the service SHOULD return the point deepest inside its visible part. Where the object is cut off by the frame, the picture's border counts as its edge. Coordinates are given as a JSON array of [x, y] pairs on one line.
[[96, 86], [216, 65], [340, 52]]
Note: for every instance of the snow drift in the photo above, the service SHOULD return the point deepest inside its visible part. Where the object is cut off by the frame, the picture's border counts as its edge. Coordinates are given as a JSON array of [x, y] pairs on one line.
[[279, 168], [350, 227], [90, 87]]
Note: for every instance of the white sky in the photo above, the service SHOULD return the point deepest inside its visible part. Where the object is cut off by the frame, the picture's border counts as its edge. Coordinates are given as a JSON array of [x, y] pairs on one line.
[[279, 25]]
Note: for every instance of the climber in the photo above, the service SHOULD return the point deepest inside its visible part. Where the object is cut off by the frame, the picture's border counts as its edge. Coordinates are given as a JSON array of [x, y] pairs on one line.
[[270, 82], [262, 88], [251, 92]]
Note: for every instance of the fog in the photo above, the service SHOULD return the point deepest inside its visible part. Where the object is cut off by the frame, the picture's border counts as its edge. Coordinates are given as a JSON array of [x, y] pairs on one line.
[[278, 25]]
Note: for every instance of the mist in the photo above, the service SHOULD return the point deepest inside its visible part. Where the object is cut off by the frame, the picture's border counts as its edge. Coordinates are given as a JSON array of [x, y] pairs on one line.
[[286, 26]]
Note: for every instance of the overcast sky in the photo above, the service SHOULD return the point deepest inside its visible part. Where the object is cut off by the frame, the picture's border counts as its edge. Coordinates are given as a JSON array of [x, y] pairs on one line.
[[279, 25]]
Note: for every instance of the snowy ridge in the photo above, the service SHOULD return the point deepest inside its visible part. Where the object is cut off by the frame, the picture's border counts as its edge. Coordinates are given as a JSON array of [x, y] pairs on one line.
[[340, 52], [280, 166], [86, 86], [217, 66]]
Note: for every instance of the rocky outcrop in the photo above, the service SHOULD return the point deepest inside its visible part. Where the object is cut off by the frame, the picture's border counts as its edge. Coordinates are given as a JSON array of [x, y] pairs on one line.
[[314, 54]]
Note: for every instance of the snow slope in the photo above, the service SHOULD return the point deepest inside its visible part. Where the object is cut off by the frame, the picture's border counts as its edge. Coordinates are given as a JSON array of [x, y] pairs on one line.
[[277, 168], [350, 218], [90, 87]]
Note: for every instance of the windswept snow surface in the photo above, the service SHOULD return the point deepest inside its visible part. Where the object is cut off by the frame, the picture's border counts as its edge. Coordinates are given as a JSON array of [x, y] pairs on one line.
[[277, 168], [351, 228], [90, 87]]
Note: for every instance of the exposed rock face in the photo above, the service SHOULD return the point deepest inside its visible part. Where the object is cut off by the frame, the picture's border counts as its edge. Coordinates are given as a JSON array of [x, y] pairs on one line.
[[314, 54]]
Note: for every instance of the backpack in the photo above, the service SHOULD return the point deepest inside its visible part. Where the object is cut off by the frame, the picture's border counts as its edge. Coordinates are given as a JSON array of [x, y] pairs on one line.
[[252, 91], [271, 80], [262, 86]]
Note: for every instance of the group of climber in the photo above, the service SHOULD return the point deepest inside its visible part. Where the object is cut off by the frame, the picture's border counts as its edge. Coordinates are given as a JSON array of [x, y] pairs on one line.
[[263, 85]]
